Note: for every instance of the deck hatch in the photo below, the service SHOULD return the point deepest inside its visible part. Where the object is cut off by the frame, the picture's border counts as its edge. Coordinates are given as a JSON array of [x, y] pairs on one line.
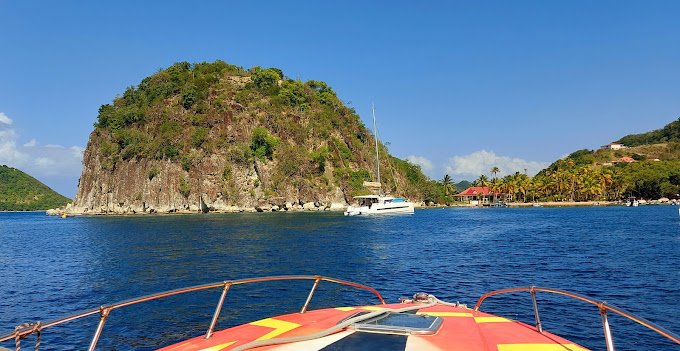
[[401, 323]]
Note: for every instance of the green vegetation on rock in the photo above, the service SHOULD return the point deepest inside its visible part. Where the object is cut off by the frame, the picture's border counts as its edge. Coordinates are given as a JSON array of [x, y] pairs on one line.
[[298, 136], [21, 192], [262, 143]]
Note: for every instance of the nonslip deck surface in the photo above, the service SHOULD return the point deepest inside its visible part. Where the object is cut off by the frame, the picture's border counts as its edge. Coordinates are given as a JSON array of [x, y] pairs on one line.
[[461, 329]]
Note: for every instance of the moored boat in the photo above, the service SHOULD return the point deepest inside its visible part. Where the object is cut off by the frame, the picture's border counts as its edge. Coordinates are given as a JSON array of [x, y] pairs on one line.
[[378, 203], [375, 204], [422, 322]]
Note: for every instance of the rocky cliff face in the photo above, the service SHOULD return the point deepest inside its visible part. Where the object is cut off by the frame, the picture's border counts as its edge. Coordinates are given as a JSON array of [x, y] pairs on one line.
[[129, 188], [215, 137]]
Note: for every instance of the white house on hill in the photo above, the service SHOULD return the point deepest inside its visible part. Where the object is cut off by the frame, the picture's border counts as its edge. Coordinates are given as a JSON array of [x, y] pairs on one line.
[[613, 146]]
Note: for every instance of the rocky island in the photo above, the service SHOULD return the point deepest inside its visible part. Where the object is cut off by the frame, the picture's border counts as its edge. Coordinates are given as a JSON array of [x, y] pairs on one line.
[[216, 137]]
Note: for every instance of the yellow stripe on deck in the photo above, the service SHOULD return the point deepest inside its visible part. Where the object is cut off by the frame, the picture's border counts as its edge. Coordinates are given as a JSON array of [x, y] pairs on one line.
[[540, 347], [374, 308], [365, 308], [446, 314], [345, 309], [279, 326], [492, 320], [219, 347]]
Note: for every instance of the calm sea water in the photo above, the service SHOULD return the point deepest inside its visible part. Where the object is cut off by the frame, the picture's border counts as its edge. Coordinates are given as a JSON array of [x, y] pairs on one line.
[[51, 267]]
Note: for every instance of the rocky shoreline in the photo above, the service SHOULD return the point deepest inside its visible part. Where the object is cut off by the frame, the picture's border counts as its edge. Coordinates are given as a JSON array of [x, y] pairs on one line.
[[72, 209], [317, 206]]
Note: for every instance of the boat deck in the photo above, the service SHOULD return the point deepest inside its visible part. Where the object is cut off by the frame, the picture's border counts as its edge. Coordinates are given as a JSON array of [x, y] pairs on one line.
[[461, 329]]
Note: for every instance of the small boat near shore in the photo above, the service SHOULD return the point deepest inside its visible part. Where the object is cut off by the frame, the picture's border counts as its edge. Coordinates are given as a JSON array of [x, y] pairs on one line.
[[421, 322], [375, 204], [378, 203]]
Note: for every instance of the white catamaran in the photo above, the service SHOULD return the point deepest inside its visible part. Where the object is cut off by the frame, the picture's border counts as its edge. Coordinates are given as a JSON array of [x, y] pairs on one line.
[[378, 204]]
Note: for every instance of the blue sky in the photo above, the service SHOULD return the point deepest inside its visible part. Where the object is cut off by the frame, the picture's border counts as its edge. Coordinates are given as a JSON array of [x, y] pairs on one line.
[[458, 86]]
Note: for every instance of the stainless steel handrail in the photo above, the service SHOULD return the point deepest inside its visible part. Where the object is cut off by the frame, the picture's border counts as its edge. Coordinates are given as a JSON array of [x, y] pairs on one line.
[[103, 311], [601, 305]]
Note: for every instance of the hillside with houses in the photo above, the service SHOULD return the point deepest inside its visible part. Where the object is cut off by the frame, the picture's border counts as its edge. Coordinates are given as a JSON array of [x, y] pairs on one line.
[[645, 166]]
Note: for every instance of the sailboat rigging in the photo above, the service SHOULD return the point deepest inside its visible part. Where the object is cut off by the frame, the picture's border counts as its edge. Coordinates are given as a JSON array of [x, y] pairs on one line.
[[378, 204]]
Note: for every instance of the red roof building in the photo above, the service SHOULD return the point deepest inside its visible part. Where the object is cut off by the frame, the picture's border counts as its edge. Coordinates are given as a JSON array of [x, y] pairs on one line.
[[476, 191], [475, 194]]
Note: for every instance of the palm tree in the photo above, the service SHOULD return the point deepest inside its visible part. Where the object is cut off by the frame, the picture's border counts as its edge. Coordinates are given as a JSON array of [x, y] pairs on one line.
[[496, 186], [590, 187], [447, 182], [538, 186], [509, 186], [495, 170], [523, 185], [606, 181], [617, 186], [482, 181], [516, 184], [557, 184], [572, 174]]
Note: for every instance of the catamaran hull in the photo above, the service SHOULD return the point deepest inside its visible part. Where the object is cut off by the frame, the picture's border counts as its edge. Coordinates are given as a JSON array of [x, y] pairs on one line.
[[398, 208]]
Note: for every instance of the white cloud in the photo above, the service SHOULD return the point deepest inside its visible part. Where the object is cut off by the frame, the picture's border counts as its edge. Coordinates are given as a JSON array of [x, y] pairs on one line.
[[425, 164], [50, 163], [480, 162], [8, 146], [44, 162], [77, 151], [8, 150], [5, 120]]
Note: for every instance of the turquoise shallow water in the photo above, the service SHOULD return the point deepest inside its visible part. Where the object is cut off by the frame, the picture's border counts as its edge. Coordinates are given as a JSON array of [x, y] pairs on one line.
[[629, 257]]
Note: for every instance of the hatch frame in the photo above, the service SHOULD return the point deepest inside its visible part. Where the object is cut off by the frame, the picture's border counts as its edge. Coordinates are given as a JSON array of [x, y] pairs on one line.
[[366, 326]]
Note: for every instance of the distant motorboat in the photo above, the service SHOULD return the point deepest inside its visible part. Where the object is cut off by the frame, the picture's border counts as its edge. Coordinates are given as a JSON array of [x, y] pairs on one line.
[[632, 202]]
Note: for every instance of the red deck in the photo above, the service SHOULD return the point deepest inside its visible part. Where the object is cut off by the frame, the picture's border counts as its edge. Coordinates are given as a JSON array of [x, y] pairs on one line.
[[461, 329]]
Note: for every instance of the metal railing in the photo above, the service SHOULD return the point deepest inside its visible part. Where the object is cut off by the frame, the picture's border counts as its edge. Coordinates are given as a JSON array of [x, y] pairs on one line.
[[25, 330], [601, 305]]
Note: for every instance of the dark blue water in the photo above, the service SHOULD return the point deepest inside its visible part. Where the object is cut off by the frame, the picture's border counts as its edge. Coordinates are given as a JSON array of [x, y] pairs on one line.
[[52, 267]]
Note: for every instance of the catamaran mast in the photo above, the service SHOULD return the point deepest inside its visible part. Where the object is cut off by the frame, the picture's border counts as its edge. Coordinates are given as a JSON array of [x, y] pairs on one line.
[[377, 156]]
